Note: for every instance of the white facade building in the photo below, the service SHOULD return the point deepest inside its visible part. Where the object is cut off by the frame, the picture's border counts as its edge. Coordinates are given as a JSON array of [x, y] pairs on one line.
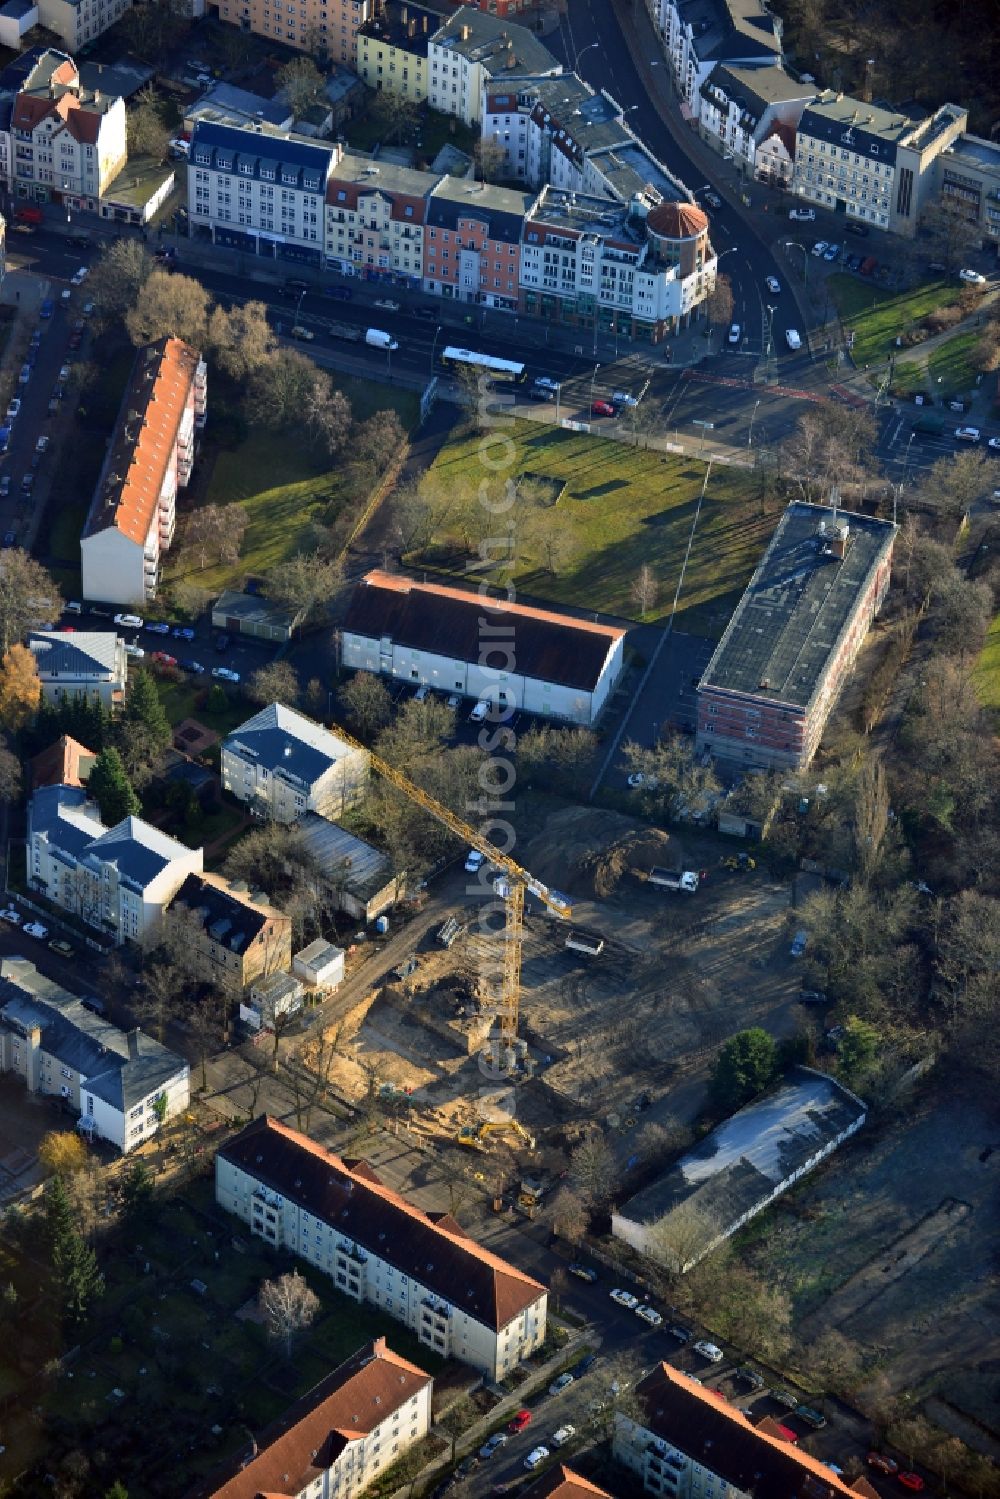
[[740, 107], [132, 516], [68, 143], [284, 765], [118, 880], [124, 1085], [79, 22], [320, 965], [85, 663], [352, 1427], [694, 40], [419, 1268], [470, 51], [526, 659]]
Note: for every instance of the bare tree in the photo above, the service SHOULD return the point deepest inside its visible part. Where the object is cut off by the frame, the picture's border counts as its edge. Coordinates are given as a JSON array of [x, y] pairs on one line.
[[645, 589], [593, 1171], [288, 1306], [305, 584], [570, 1219], [380, 441], [719, 304], [327, 413], [366, 702], [871, 817], [28, 597], [148, 131], [490, 159], [241, 338], [300, 83], [278, 682]]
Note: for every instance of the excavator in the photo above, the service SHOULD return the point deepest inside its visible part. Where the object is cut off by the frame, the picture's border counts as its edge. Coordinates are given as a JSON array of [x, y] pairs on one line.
[[476, 1136]]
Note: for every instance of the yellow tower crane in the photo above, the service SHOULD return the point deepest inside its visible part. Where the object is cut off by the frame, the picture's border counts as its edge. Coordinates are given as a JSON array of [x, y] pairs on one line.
[[512, 889]]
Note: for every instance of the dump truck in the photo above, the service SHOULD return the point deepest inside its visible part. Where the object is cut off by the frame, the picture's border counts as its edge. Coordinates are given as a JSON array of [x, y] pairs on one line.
[[585, 942], [685, 880], [347, 331]]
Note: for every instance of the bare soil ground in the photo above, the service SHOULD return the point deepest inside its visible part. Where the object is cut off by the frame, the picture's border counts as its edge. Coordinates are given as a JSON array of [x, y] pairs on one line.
[[893, 1245]]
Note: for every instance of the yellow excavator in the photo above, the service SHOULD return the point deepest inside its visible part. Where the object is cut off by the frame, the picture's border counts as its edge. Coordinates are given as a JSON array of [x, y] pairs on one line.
[[475, 1136]]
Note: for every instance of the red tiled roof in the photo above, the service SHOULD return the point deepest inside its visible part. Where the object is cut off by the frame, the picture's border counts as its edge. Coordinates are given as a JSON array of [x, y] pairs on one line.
[[359, 1205], [311, 1435], [677, 221], [561, 1482], [722, 1438], [785, 134], [65, 763]]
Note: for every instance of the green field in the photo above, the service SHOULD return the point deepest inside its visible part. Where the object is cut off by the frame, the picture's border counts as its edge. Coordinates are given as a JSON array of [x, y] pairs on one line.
[[623, 507], [877, 317], [988, 668], [276, 477]]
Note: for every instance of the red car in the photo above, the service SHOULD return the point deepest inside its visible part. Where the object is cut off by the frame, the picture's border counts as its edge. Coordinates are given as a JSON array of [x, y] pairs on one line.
[[882, 1463], [787, 1434], [163, 659], [911, 1481], [520, 1421], [602, 408]]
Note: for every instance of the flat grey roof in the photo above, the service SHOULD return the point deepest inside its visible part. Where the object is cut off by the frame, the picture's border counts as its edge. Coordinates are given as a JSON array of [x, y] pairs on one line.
[[787, 626], [331, 845], [747, 1156], [631, 168], [984, 153]]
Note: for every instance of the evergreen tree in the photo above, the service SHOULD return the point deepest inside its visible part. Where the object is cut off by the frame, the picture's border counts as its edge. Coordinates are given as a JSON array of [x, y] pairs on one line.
[[77, 1276], [136, 1192], [143, 706], [111, 789], [59, 1221], [117, 1490], [745, 1066]]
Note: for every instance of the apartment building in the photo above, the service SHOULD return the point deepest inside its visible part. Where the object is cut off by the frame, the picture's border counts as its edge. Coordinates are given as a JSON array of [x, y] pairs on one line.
[[474, 50], [968, 179], [683, 1441], [284, 765], [420, 1268], [316, 26], [67, 143], [548, 127], [698, 34], [641, 271], [873, 164], [393, 47], [472, 240], [123, 1085], [375, 217], [80, 22], [241, 936], [118, 880], [132, 516], [341, 1436], [431, 634], [88, 663], [261, 193], [777, 672], [740, 108]]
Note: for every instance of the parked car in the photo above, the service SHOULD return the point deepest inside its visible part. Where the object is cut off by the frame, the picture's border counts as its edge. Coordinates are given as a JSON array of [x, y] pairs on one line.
[[994, 444], [911, 1481], [136, 651], [47, 308], [222, 643], [163, 658], [545, 382], [624, 1298], [11, 916], [967, 434], [853, 263], [793, 338], [734, 334], [492, 1444], [194, 667], [182, 632], [480, 711], [785, 1398], [713, 200], [810, 1416], [80, 276], [14, 409], [583, 1272], [682, 1334], [831, 252], [62, 947], [882, 1464], [861, 230], [454, 701], [584, 1366], [799, 943], [563, 1382], [563, 1435], [42, 445], [64, 374], [802, 215], [972, 278], [519, 1421], [158, 627], [27, 483], [422, 693], [88, 309], [535, 1456], [225, 674], [601, 408], [53, 406], [304, 335], [819, 248], [5, 486], [749, 1377], [813, 997], [649, 1314], [128, 621], [474, 861], [387, 304], [711, 1351], [773, 284], [624, 398], [538, 394], [35, 929], [9, 540]]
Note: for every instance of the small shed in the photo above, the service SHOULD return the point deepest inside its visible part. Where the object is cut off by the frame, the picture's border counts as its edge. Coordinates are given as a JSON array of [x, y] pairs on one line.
[[246, 614], [320, 965], [272, 998]]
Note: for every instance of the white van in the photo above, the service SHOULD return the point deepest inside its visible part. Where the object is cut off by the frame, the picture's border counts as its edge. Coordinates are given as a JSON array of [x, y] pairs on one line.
[[72, 607], [380, 340], [480, 711]]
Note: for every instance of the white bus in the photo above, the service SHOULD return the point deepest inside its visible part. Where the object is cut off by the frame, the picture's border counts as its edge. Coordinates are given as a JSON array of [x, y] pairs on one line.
[[497, 369]]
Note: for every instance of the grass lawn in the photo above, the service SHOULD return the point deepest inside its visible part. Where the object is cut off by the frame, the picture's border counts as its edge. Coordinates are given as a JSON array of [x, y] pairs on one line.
[[949, 364], [878, 316], [364, 133], [283, 489], [179, 702], [988, 668], [623, 507]]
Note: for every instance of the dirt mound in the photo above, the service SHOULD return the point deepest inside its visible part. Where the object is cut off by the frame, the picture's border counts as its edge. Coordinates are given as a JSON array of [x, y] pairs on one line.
[[563, 853], [604, 868]]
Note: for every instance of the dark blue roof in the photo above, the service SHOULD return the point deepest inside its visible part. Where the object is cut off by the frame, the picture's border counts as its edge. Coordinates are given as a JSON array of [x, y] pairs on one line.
[[224, 147]]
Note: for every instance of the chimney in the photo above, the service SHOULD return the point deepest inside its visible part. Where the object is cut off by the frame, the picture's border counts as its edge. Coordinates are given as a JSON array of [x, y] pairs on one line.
[[378, 1347], [465, 33], [133, 1044], [97, 96]]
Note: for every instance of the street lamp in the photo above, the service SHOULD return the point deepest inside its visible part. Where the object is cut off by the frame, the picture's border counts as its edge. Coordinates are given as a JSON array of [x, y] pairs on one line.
[[750, 433], [298, 305], [770, 331], [592, 379], [583, 50], [793, 244], [705, 427], [437, 334]]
